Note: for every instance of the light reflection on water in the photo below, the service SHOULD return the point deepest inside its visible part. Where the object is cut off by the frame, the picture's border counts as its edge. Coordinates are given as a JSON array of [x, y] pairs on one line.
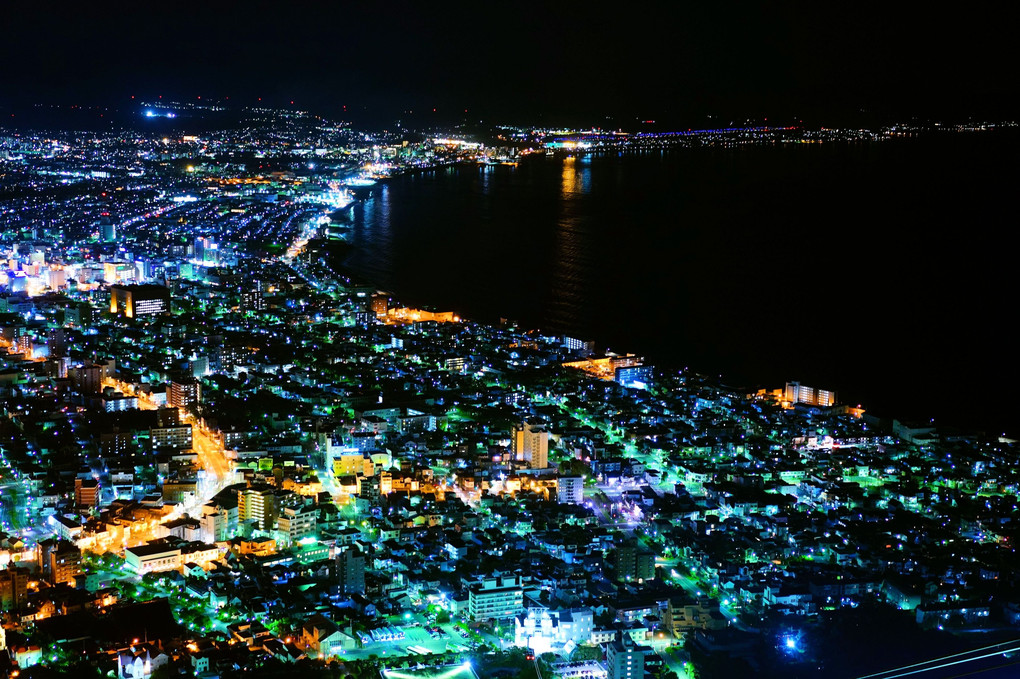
[[681, 255], [572, 265]]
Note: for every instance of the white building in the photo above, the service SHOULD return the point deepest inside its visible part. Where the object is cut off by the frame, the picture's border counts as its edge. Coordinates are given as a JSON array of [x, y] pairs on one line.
[[296, 523], [164, 555], [544, 630], [496, 598], [570, 490], [625, 659]]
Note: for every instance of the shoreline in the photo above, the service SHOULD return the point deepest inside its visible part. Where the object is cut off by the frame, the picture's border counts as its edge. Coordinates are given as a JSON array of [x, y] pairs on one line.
[[871, 395]]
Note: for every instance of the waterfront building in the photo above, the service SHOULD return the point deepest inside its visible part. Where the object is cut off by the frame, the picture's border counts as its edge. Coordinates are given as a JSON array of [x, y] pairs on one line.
[[795, 393]]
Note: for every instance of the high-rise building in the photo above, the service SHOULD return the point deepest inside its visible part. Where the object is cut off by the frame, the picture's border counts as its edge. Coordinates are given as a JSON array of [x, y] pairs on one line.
[[574, 344], [228, 357], [625, 659], [117, 443], [86, 492], [252, 300], [380, 304], [183, 393], [13, 587], [530, 444], [198, 366], [350, 567], [370, 488], [57, 339], [215, 523], [56, 279], [633, 562], [42, 554], [298, 522], [570, 490], [64, 563], [109, 231], [795, 393], [87, 379], [168, 417], [634, 376], [496, 598], [139, 300], [261, 503], [171, 438]]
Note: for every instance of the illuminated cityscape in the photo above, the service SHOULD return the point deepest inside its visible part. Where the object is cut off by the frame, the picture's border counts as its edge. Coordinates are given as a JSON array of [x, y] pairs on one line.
[[411, 341], [245, 457]]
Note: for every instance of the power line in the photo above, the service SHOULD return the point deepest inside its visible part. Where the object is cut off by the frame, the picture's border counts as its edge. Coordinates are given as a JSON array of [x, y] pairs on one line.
[[983, 670], [948, 664], [945, 657]]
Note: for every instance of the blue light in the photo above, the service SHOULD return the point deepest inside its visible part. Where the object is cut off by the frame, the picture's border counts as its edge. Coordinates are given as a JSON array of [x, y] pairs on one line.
[[150, 114], [791, 643]]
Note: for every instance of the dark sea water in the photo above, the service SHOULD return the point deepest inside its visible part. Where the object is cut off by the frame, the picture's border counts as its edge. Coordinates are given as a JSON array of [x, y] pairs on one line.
[[885, 271]]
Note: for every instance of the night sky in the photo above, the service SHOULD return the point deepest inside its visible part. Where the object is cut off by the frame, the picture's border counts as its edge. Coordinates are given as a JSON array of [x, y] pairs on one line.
[[674, 61]]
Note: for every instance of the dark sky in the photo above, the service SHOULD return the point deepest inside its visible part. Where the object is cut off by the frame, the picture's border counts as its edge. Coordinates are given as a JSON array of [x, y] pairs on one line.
[[674, 60]]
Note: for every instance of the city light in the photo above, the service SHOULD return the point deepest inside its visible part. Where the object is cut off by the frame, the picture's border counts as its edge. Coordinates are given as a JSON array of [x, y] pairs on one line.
[[214, 428]]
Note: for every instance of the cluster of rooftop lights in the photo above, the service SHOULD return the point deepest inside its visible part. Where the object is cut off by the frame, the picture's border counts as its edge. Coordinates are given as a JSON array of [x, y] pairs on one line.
[[462, 671]]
